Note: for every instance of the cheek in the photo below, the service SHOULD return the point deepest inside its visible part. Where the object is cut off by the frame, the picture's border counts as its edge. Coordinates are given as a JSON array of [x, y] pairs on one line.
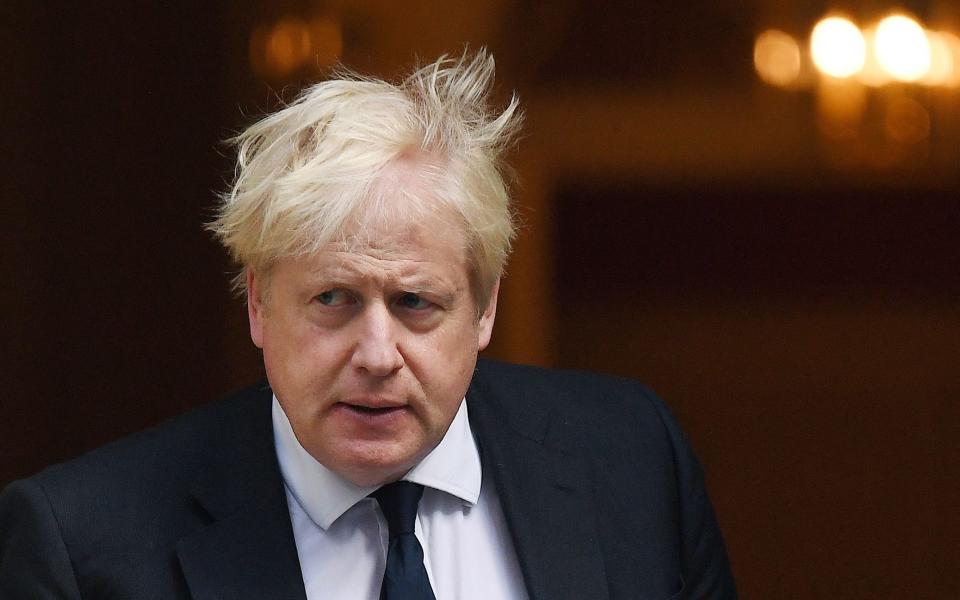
[[280, 344], [445, 362], [295, 357], [446, 348]]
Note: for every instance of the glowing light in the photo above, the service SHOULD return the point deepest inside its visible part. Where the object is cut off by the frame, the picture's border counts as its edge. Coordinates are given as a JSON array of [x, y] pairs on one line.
[[954, 43], [293, 44], [288, 45], [902, 48], [837, 47], [907, 121], [872, 73], [776, 56], [944, 59]]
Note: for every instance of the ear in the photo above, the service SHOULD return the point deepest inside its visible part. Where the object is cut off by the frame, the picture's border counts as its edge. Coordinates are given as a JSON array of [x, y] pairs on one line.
[[255, 309], [485, 329]]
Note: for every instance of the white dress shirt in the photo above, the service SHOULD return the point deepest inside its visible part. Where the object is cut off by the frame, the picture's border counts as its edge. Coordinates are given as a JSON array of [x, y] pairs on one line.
[[342, 536]]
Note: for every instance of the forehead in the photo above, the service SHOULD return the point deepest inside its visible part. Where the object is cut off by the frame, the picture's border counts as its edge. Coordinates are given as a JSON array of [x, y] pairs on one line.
[[404, 249], [404, 208], [388, 225], [401, 227]]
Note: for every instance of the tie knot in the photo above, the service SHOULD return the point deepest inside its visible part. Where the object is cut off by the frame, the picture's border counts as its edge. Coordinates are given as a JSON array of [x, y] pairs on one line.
[[398, 501]]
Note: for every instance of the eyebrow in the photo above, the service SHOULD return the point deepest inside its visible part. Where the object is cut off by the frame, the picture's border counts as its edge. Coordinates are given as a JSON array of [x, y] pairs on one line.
[[341, 275]]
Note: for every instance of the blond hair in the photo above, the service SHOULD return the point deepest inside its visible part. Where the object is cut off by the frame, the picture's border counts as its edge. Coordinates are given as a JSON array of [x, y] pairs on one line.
[[306, 170]]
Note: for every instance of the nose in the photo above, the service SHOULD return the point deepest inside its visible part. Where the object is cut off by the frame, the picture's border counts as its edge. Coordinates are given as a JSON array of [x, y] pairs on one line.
[[377, 351]]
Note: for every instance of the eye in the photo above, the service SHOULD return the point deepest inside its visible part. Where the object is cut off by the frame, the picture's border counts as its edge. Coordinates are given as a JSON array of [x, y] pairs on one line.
[[334, 298], [412, 301]]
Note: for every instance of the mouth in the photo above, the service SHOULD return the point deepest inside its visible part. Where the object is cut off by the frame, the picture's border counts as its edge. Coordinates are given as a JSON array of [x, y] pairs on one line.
[[372, 410]]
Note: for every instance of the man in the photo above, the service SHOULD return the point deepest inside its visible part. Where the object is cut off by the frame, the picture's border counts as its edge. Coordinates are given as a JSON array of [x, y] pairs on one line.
[[372, 225]]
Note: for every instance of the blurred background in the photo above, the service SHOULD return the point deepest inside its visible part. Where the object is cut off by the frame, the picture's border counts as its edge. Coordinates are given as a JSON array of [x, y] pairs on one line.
[[751, 206]]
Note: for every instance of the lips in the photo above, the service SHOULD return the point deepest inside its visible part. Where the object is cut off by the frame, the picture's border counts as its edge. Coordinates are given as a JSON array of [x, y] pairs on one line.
[[373, 402], [373, 409], [370, 410]]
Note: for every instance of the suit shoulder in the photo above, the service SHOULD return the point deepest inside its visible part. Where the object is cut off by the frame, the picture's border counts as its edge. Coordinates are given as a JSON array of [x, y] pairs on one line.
[[617, 423], [592, 404], [580, 394], [111, 518], [159, 455]]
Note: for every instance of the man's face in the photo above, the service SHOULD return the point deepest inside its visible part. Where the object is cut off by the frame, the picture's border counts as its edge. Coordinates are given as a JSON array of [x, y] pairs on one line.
[[370, 350]]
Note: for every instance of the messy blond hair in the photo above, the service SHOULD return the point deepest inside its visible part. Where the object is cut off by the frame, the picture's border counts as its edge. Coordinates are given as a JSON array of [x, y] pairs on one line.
[[304, 172]]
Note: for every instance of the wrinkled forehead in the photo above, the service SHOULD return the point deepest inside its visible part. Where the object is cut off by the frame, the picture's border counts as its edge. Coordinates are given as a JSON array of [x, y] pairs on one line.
[[405, 206], [389, 236]]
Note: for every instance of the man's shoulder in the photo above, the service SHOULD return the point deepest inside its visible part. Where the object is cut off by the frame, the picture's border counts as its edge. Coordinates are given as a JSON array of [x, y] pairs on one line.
[[161, 457], [111, 518], [594, 403], [561, 387]]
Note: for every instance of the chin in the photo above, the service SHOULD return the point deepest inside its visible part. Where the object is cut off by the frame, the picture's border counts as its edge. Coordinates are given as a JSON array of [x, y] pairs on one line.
[[376, 466], [365, 475]]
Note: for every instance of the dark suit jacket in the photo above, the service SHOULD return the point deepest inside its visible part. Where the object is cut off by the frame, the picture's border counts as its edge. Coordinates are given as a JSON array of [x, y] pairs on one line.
[[601, 493]]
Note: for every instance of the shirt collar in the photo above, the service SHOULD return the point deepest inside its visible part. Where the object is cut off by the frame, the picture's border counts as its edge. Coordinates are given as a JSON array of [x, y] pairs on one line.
[[453, 467]]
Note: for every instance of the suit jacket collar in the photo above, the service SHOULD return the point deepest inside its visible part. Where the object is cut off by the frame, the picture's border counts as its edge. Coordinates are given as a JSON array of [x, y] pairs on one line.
[[247, 550], [544, 489]]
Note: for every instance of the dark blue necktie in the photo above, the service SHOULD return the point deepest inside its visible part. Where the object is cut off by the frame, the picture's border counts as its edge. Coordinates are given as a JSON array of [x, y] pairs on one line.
[[405, 577]]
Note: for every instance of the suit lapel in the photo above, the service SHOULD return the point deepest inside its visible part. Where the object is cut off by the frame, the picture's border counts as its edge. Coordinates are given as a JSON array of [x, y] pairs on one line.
[[546, 495], [247, 551], [242, 557]]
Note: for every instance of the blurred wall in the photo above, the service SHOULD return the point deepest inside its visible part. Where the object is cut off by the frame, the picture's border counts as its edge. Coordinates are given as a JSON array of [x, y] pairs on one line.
[[683, 224], [115, 302]]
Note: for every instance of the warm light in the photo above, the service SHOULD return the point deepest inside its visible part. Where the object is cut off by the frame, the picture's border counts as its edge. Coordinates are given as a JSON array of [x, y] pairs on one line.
[[872, 73], [776, 56], [902, 48], [954, 43], [293, 44], [288, 45], [944, 59], [837, 47]]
